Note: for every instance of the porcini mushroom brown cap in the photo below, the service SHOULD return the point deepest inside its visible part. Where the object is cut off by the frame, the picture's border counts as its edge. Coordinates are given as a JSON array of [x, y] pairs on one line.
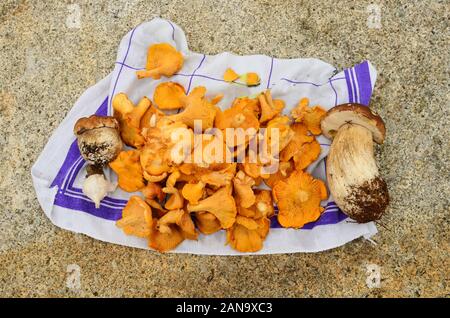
[[93, 122], [356, 114], [352, 172], [98, 139]]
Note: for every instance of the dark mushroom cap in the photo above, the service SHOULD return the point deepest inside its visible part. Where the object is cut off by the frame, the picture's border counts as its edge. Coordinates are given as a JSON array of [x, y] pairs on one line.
[[93, 122], [357, 114], [98, 139]]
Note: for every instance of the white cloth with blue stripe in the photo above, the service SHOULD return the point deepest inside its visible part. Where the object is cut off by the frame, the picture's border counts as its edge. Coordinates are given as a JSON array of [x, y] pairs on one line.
[[59, 171]]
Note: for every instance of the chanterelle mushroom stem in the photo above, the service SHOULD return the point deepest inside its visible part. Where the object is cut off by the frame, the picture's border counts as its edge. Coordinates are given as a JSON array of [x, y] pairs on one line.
[[352, 172]]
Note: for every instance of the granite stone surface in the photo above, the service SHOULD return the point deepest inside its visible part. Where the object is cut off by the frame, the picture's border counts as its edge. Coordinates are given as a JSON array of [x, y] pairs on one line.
[[48, 58]]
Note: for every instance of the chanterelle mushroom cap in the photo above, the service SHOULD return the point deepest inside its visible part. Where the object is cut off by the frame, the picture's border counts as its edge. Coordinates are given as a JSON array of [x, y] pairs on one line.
[[355, 114]]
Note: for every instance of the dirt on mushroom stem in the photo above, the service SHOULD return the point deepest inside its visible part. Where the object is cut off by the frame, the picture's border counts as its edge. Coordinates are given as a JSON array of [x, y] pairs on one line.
[[369, 200], [95, 152], [94, 169]]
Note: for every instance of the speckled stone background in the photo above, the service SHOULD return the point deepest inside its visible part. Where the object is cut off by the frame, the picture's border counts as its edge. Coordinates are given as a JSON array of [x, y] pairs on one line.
[[47, 61]]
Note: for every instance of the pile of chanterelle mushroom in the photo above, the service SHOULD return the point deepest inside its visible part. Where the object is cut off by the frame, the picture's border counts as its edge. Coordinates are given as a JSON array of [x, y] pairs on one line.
[[203, 170]]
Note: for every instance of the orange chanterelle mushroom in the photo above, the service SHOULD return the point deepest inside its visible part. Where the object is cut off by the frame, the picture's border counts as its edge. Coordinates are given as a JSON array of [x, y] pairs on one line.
[[196, 108], [136, 218], [171, 229], [247, 234], [311, 117], [169, 95], [221, 204], [129, 118], [206, 222], [250, 78], [129, 170], [230, 75], [162, 60], [298, 198], [188, 178], [302, 148]]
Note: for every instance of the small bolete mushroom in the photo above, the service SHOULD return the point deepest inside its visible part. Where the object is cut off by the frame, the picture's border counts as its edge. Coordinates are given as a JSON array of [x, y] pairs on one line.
[[352, 172], [98, 139], [99, 142]]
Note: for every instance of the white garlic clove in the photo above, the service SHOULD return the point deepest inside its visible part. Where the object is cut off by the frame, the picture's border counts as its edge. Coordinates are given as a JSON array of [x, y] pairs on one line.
[[96, 187]]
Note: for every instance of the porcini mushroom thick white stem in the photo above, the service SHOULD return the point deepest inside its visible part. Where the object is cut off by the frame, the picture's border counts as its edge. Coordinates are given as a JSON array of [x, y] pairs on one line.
[[352, 172]]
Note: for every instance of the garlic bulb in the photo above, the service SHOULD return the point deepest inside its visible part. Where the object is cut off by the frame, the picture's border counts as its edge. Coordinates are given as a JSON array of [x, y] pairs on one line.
[[96, 187]]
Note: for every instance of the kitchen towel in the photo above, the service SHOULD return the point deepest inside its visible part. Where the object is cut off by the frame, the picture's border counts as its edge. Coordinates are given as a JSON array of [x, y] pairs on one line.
[[60, 170]]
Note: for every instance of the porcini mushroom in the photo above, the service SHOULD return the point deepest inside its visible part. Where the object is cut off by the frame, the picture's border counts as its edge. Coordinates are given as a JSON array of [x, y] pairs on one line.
[[98, 139], [352, 172], [99, 143]]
